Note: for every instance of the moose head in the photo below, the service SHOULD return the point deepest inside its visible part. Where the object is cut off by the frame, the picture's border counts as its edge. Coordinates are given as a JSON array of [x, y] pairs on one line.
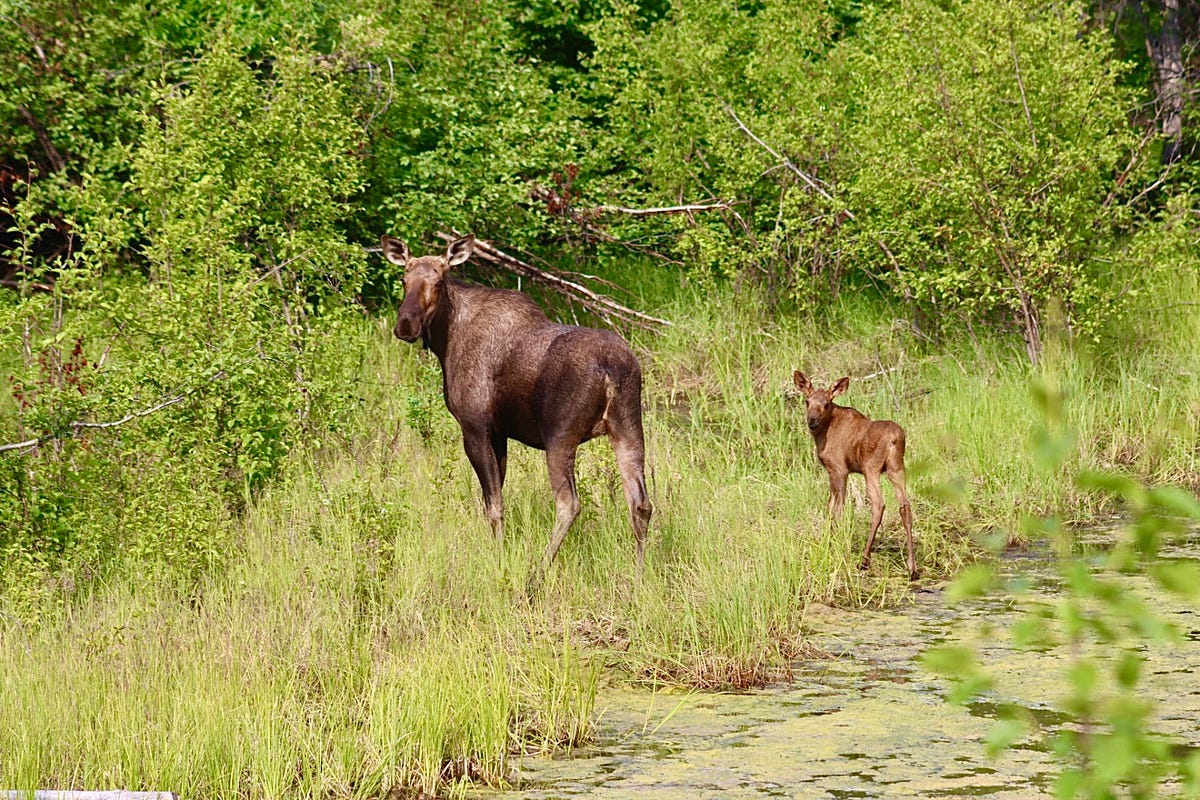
[[424, 278]]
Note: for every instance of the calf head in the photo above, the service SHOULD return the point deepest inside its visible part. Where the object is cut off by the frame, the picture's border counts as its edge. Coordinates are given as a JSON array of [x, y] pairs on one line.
[[819, 401], [424, 279]]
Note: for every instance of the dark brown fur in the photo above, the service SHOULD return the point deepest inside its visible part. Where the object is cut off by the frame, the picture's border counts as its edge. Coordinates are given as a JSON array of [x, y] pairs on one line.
[[508, 372], [847, 442]]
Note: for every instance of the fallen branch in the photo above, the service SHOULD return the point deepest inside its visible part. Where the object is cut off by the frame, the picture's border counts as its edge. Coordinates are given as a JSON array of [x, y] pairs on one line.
[[34, 285], [78, 425], [52, 155], [605, 307]]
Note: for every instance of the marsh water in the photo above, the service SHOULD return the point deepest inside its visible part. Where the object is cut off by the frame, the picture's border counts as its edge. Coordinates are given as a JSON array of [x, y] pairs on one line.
[[866, 720]]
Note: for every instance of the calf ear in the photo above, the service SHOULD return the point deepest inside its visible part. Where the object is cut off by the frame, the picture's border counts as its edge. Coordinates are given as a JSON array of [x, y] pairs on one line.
[[394, 250], [802, 382], [839, 387], [460, 250]]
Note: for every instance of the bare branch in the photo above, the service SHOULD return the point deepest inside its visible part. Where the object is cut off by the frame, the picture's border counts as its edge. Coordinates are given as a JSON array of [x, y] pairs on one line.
[[28, 443], [560, 205], [78, 425], [135, 415], [35, 285], [1012, 44], [273, 271], [719, 205], [810, 181], [55, 158]]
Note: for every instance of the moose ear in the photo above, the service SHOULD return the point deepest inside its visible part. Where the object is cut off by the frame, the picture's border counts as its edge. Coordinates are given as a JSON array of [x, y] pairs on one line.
[[460, 250], [839, 387], [802, 382], [394, 250]]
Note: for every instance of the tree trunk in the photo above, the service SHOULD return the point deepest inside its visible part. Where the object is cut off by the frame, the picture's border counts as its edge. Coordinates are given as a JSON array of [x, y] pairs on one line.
[[1166, 53]]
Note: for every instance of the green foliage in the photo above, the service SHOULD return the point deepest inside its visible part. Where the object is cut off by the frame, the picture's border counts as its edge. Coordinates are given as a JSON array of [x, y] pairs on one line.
[[218, 362], [463, 123], [668, 88], [992, 143]]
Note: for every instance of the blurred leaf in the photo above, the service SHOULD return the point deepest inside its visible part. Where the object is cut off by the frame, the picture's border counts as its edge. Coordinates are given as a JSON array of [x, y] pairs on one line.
[[1178, 577], [1122, 558], [969, 688], [1174, 500], [1111, 483], [974, 581], [951, 492], [1128, 668], [1048, 397], [1068, 613], [1050, 450], [1112, 759], [1083, 676], [1002, 735], [1032, 631], [1068, 784], [1190, 769], [950, 660]]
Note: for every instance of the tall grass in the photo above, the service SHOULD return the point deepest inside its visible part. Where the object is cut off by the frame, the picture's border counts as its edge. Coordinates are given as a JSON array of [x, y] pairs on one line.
[[367, 636]]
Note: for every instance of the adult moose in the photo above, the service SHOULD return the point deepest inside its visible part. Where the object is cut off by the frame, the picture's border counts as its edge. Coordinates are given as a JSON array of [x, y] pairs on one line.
[[508, 372], [847, 441]]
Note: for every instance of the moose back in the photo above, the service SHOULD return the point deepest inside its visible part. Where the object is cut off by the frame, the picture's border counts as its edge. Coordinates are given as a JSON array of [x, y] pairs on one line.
[[510, 373]]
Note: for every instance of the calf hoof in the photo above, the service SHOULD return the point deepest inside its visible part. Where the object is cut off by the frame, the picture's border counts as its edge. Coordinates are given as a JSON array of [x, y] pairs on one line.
[[865, 564], [914, 574]]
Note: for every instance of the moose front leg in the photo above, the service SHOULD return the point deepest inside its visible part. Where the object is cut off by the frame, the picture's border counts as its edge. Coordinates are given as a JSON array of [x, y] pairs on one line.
[[631, 458], [488, 468], [837, 494]]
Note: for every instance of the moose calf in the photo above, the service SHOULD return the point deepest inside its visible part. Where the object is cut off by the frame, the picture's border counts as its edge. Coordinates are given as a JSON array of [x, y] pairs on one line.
[[508, 372], [849, 442]]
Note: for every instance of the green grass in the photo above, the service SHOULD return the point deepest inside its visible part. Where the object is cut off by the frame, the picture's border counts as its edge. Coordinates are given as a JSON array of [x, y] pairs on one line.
[[366, 635]]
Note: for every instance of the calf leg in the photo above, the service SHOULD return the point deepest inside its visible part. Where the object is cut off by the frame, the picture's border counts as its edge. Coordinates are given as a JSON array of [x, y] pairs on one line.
[[875, 495], [837, 494], [630, 452], [897, 479], [483, 458]]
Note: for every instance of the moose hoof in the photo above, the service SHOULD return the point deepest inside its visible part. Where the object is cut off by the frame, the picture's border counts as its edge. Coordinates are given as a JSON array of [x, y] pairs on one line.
[[865, 564]]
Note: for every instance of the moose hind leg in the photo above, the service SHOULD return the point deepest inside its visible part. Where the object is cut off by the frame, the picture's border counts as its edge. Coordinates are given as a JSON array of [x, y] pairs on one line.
[[560, 460], [875, 495], [483, 458], [897, 479]]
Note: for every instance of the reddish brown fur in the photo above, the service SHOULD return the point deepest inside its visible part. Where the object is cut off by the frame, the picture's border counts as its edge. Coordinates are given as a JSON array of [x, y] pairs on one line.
[[508, 372], [849, 442]]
